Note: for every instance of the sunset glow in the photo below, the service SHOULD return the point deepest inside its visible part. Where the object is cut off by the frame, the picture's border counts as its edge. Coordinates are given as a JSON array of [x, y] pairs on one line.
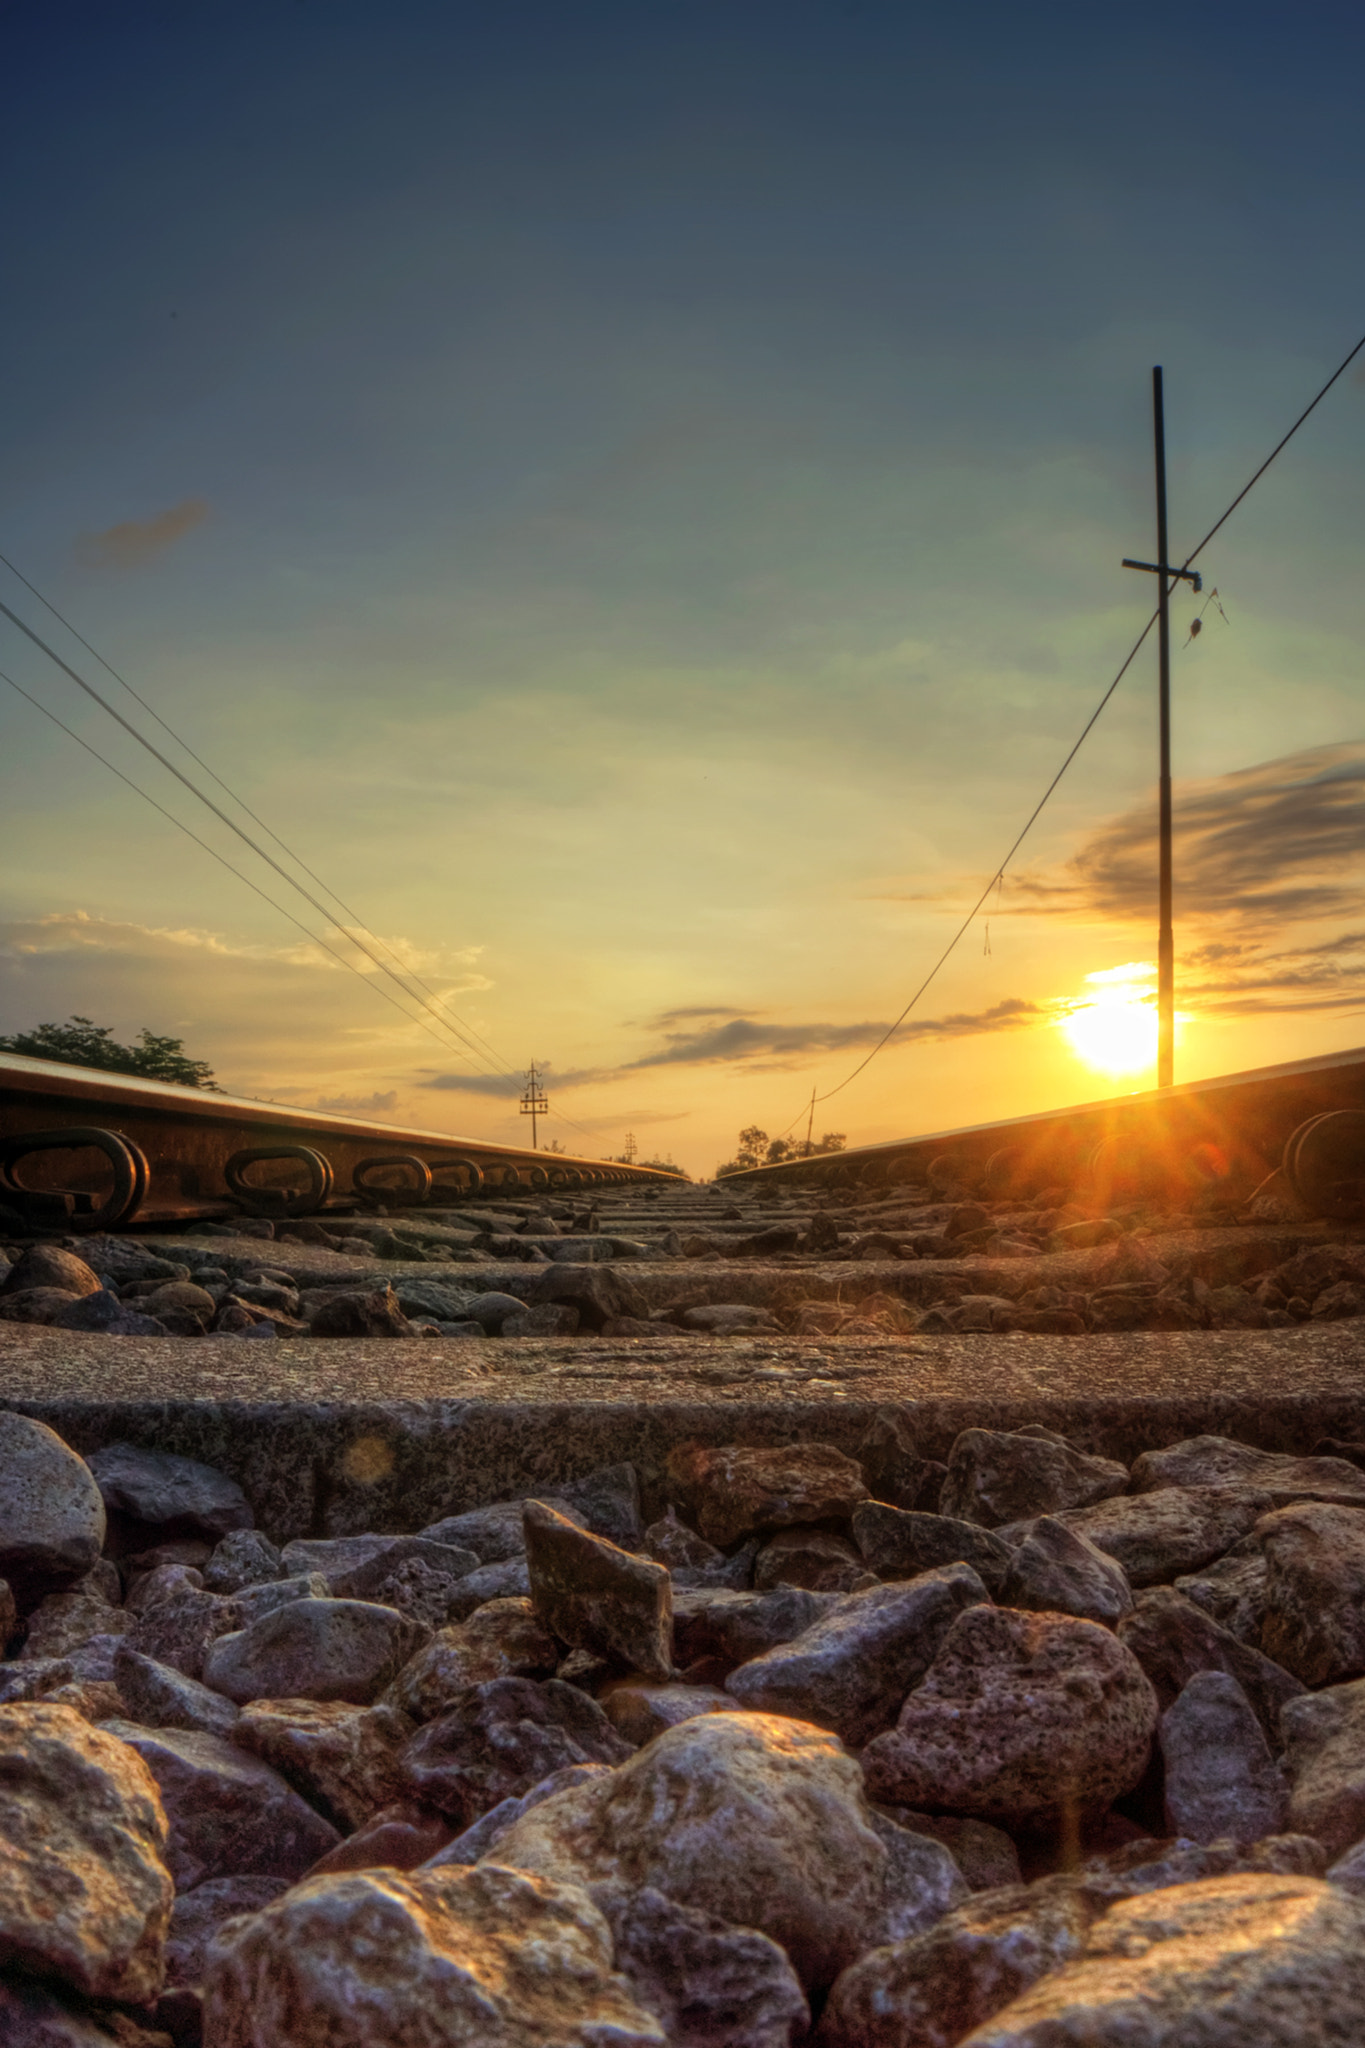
[[1114, 1029]]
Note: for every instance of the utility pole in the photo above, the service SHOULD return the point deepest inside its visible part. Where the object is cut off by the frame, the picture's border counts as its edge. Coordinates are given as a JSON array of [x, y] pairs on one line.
[[628, 1149], [533, 1102], [810, 1122], [1162, 570]]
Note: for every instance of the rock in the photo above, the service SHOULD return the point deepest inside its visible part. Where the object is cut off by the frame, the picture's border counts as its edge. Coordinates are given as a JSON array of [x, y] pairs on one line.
[[1231, 1590], [418, 1577], [598, 1292], [34, 2017], [197, 1915], [892, 1467], [433, 1301], [1348, 1872], [1022, 1717], [507, 1581], [1314, 1620], [732, 1627], [639, 1711], [254, 1602], [502, 1639], [160, 1495], [166, 1582], [810, 1557], [158, 1696], [607, 1501], [333, 1556], [922, 1883], [728, 1319], [933, 1990], [84, 1890], [546, 1319], [899, 1543], [1173, 1639], [594, 1596], [670, 1542], [105, 1312], [985, 1855], [491, 1310], [64, 1621], [495, 1534], [361, 1313], [852, 1668], [342, 1759], [181, 1630], [399, 1837], [1058, 1570], [711, 1985], [739, 1490], [47, 1265], [317, 1650], [1220, 1461], [229, 1815], [458, 1958], [1221, 1780], [478, 1841], [245, 1557], [499, 1739], [52, 1520], [1149, 1865], [1324, 1736], [1155, 1536], [40, 1305], [996, 1476], [34, 1681], [756, 1819], [1242, 1961], [9, 1614]]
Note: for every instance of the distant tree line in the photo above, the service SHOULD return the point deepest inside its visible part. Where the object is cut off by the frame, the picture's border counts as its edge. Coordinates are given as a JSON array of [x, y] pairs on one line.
[[756, 1148], [79, 1043]]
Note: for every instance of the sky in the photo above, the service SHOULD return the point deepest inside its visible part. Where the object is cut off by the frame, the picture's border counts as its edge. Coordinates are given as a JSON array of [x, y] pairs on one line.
[[634, 497]]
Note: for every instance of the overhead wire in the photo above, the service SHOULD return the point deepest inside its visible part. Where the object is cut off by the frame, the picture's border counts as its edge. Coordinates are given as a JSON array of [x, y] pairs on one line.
[[997, 876], [353, 915]]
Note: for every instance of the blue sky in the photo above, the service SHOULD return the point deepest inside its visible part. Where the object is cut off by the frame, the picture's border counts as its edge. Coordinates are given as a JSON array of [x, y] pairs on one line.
[[634, 496]]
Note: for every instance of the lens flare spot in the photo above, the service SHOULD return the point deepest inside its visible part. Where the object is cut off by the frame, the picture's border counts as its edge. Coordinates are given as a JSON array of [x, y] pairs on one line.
[[1113, 1026]]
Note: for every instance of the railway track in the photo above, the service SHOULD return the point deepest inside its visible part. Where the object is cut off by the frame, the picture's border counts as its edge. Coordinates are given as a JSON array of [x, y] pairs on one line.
[[85, 1151]]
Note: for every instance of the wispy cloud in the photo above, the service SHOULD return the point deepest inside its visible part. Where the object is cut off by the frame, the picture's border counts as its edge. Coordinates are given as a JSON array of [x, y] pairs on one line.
[[135, 541], [375, 1104]]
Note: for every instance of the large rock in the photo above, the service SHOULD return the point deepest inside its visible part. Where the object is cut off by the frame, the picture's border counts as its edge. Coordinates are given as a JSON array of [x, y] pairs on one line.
[[599, 1293], [315, 1650], [85, 1894], [197, 1915], [1022, 1717], [180, 1631], [474, 1843], [639, 1711], [52, 1520], [64, 1621], [922, 1882], [495, 1533], [997, 1476], [156, 1495], [740, 1490], [33, 2016], [893, 1466], [501, 1738], [1155, 1536], [756, 1819], [502, 1639], [1056, 1570], [230, 1815], [1221, 1461], [245, 1557], [985, 1855], [1232, 1962], [1172, 1639], [931, 1990], [1232, 1589], [361, 1313], [711, 1985], [817, 1558], [1222, 1783], [607, 1500], [1324, 1735], [853, 1667], [158, 1696], [728, 1627], [418, 1577], [47, 1265], [899, 1543], [342, 1759], [450, 1958], [594, 1596], [1314, 1619]]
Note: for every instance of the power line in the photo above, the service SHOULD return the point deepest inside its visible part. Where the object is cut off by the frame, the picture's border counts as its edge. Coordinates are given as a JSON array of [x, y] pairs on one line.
[[222, 860], [467, 1051], [998, 876], [340, 901]]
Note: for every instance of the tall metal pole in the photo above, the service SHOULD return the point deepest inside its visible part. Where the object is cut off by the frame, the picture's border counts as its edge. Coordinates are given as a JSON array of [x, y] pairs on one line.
[[1165, 953]]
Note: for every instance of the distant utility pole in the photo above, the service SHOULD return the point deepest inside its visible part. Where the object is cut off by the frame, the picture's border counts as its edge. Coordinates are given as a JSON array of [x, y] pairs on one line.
[[810, 1123], [628, 1149], [1162, 570], [533, 1102]]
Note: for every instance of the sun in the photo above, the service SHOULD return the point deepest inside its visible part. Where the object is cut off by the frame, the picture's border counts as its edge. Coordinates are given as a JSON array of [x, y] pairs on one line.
[[1114, 1028]]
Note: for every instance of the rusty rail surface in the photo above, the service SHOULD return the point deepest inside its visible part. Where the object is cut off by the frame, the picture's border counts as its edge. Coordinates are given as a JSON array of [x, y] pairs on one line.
[[83, 1150], [1306, 1117]]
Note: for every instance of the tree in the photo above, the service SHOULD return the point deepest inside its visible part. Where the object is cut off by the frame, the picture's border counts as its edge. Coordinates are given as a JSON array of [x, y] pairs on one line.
[[667, 1165], [554, 1146], [79, 1043]]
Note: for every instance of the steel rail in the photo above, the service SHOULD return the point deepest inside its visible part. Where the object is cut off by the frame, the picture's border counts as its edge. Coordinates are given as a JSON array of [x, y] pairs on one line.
[[186, 1153]]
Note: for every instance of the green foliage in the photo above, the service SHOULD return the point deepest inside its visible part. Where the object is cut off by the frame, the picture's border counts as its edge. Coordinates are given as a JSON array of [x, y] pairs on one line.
[[756, 1148], [79, 1043], [667, 1165]]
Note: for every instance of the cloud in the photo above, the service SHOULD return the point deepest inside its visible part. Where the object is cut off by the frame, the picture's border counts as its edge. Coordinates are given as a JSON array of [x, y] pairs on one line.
[[359, 1105], [1283, 841], [761, 1047], [136, 541]]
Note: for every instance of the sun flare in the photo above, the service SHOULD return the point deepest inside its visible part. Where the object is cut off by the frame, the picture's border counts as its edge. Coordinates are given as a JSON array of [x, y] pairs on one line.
[[1113, 1029]]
